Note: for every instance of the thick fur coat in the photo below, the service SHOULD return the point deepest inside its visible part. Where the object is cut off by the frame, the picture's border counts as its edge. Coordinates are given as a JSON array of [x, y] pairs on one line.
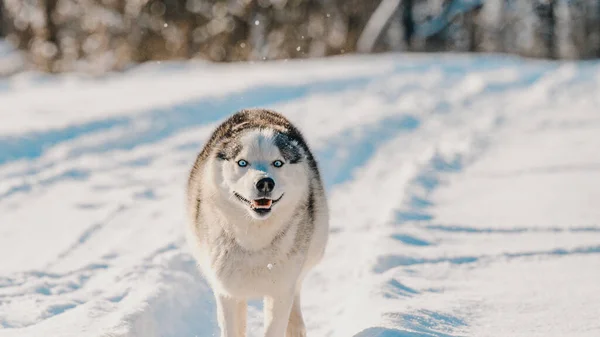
[[258, 219]]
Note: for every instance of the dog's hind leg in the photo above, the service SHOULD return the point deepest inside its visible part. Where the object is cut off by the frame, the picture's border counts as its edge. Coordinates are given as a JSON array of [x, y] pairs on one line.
[[296, 326], [231, 314]]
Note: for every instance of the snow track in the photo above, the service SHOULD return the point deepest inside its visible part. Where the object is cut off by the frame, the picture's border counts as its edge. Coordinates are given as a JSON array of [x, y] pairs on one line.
[[461, 192]]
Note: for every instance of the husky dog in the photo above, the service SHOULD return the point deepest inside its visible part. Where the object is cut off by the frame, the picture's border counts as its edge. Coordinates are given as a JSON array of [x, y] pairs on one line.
[[259, 219]]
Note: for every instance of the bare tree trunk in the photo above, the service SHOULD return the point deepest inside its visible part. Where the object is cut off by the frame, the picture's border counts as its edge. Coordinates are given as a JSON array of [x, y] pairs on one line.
[[52, 29], [597, 29], [408, 22], [577, 28], [472, 23], [546, 14], [551, 43], [2, 27], [378, 22], [593, 28]]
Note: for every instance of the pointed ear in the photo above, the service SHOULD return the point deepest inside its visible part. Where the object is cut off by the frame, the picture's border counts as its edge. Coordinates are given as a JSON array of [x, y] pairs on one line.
[[228, 149], [289, 148]]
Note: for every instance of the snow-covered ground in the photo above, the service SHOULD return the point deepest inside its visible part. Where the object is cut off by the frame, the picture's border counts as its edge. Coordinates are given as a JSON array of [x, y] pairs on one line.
[[463, 193]]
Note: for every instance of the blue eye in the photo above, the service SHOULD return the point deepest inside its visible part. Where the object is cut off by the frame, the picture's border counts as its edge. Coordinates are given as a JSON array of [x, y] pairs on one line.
[[242, 163], [278, 163]]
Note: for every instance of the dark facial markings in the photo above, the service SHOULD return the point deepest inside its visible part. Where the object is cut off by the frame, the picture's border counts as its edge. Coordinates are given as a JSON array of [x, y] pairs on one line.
[[224, 137], [290, 150]]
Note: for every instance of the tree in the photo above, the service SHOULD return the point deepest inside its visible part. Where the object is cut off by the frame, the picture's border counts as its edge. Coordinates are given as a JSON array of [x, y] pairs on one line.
[[491, 23], [572, 29], [593, 28], [408, 21], [51, 28], [2, 28], [377, 24], [462, 34], [545, 29], [100, 35]]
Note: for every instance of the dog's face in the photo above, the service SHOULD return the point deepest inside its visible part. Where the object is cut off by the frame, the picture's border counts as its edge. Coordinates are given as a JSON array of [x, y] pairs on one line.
[[262, 171]]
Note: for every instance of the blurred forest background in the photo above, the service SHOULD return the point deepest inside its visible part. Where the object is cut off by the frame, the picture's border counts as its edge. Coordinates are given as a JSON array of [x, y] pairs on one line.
[[101, 35]]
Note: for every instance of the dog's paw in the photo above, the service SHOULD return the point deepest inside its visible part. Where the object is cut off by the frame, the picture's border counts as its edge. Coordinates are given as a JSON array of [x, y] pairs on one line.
[[296, 330]]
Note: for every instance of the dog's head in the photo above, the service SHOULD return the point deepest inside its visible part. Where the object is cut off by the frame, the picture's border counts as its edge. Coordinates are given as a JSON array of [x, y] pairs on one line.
[[261, 171]]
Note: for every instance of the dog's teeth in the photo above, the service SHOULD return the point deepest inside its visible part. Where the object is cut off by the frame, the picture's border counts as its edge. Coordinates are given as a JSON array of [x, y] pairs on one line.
[[262, 203]]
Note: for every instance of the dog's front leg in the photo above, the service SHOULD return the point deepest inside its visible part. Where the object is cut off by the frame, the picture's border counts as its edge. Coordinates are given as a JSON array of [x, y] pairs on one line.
[[231, 315], [296, 326], [277, 313]]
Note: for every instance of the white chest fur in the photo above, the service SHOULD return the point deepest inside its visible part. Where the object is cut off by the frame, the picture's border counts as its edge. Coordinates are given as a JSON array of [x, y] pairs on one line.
[[235, 269]]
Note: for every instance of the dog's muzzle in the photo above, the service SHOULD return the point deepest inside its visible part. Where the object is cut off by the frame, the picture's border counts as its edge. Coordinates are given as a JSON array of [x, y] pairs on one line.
[[260, 206]]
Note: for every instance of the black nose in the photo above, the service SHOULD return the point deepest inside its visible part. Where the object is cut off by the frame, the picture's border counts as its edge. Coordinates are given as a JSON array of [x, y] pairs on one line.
[[265, 185]]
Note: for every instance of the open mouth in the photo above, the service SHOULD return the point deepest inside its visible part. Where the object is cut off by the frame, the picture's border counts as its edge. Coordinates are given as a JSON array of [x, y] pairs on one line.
[[260, 206]]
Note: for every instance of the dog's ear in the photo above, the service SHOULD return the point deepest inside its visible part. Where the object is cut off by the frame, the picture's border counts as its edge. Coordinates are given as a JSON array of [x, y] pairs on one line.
[[289, 148], [228, 149]]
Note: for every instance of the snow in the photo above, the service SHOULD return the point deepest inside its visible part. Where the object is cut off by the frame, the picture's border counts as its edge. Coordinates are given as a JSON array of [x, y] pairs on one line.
[[462, 192]]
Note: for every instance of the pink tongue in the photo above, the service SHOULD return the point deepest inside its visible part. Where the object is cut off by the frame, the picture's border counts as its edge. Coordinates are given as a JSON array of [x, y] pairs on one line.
[[262, 203]]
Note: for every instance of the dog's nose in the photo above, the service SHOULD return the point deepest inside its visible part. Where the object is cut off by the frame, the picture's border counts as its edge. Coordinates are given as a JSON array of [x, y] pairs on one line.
[[265, 185]]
